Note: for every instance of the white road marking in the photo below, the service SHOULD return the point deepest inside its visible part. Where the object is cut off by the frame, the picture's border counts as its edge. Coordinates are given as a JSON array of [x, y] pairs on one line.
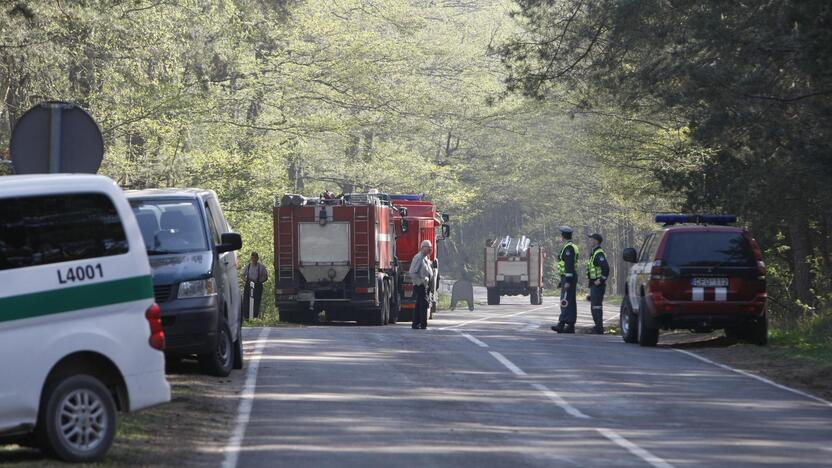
[[510, 365], [474, 340], [232, 450], [483, 319], [757, 377], [558, 400], [633, 448]]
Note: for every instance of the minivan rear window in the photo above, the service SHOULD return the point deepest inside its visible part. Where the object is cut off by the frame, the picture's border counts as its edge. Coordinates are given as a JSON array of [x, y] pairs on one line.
[[708, 248], [44, 229]]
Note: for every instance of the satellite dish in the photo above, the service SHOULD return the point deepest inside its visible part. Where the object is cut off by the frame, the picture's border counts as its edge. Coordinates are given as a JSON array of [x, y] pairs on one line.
[[54, 137]]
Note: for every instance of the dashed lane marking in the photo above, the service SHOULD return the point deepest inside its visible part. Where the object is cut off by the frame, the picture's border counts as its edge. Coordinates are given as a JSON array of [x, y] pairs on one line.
[[509, 365], [474, 340], [558, 400], [232, 450], [633, 448]]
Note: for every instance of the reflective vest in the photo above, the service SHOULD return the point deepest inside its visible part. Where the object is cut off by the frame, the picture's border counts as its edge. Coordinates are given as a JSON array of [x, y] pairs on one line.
[[562, 262], [593, 271]]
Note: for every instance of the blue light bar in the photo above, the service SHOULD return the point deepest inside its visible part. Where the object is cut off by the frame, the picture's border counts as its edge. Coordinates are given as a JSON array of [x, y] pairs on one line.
[[407, 197], [695, 219]]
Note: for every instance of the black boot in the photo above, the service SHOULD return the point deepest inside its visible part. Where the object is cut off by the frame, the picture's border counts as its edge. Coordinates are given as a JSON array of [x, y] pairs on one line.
[[559, 327], [570, 328], [597, 330]]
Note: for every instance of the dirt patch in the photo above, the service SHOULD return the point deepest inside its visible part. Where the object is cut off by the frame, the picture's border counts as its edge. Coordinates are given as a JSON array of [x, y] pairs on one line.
[[773, 362], [191, 430]]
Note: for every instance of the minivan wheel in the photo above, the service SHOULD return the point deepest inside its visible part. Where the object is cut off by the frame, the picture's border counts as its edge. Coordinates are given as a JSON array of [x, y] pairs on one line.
[[647, 336], [238, 350], [77, 421], [628, 322], [219, 361]]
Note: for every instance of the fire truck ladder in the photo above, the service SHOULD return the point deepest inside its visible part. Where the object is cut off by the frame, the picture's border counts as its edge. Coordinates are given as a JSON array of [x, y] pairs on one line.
[[286, 251], [361, 229]]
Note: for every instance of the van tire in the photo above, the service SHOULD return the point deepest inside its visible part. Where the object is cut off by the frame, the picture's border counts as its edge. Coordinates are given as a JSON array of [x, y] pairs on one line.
[[628, 322], [534, 297], [647, 336], [56, 397], [757, 332], [220, 360]]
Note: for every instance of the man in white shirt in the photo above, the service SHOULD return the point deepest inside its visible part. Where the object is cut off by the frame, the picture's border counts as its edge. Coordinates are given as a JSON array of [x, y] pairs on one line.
[[421, 273], [255, 272]]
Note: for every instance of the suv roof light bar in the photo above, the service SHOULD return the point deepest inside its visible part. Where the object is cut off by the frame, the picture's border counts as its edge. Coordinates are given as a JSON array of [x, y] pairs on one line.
[[719, 220]]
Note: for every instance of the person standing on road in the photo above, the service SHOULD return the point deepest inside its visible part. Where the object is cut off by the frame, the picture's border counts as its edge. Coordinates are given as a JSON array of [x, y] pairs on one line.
[[597, 270], [567, 262], [421, 273], [255, 272]]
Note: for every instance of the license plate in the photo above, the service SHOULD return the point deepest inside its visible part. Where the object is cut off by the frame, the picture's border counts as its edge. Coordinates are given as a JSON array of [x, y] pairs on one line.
[[306, 295], [709, 282]]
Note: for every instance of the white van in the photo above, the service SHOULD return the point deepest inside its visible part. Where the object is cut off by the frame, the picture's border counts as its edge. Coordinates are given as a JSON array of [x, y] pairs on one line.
[[80, 335]]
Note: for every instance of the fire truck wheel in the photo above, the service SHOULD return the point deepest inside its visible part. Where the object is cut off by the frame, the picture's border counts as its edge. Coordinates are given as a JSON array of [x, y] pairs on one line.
[[493, 296], [534, 296]]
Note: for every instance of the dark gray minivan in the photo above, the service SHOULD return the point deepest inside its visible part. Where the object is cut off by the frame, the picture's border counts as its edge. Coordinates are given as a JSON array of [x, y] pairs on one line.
[[192, 254]]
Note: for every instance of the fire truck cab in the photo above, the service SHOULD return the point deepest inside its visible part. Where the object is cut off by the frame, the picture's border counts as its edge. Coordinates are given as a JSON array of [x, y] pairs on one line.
[[419, 221], [336, 255]]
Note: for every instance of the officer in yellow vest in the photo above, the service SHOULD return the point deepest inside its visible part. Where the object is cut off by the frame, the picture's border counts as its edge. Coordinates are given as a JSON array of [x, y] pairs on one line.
[[567, 264], [597, 270]]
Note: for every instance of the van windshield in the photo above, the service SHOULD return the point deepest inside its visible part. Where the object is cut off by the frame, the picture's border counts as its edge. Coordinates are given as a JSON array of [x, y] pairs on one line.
[[712, 249], [170, 226]]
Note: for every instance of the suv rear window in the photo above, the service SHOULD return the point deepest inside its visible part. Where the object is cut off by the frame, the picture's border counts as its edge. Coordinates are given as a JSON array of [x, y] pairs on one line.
[[48, 229], [708, 249]]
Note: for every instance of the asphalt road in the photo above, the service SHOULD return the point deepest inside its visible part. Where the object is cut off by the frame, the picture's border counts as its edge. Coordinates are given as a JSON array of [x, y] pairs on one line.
[[495, 387]]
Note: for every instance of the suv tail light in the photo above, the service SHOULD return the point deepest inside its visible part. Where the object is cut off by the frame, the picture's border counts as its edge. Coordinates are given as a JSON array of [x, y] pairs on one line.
[[157, 334], [660, 273]]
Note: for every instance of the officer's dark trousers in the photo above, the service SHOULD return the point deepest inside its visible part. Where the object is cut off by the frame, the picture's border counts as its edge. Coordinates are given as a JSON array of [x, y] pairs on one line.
[[568, 313], [596, 297], [258, 296], [420, 315]]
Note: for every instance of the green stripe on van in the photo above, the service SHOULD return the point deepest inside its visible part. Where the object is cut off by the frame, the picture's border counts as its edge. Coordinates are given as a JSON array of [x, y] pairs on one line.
[[75, 298]]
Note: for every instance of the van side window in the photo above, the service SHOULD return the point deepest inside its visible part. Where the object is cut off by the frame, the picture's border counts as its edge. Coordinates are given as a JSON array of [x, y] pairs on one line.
[[212, 225], [44, 229]]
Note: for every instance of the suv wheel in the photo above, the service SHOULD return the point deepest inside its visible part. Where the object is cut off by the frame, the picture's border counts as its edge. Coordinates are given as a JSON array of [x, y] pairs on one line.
[[628, 322], [221, 359], [647, 336], [757, 332], [77, 420]]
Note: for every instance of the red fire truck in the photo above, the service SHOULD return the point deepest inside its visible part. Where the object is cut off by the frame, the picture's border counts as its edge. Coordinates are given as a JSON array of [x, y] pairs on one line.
[[514, 266], [336, 255], [421, 222]]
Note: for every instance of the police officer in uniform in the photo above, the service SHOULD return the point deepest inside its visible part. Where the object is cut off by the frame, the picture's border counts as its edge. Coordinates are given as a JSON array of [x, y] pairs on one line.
[[567, 262], [597, 270]]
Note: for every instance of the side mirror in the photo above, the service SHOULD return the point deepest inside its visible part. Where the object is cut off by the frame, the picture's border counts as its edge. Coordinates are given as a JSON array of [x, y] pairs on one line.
[[630, 255], [446, 231], [405, 226], [230, 241]]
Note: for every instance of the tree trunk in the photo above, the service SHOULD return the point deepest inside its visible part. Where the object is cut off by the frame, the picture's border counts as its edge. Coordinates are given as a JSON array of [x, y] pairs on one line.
[[802, 281]]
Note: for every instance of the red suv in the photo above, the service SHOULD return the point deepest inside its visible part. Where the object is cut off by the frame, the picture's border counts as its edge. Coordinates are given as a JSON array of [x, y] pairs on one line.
[[696, 273]]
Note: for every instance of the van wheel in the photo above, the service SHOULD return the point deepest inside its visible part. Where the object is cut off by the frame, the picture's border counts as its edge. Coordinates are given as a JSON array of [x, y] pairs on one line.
[[647, 336], [534, 297], [77, 420], [220, 361], [628, 322]]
